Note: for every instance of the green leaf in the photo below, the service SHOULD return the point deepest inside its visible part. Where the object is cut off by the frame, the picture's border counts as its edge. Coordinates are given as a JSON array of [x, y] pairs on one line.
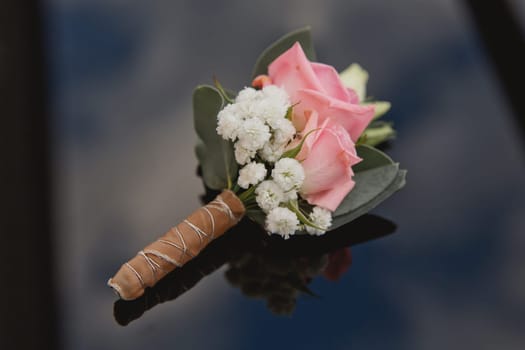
[[225, 94], [381, 107], [289, 113], [292, 153], [372, 158], [215, 154], [379, 133], [368, 185], [364, 207], [376, 178], [356, 78], [303, 36]]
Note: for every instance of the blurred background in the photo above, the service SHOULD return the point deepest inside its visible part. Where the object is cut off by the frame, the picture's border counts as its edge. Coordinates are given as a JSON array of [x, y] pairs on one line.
[[97, 142]]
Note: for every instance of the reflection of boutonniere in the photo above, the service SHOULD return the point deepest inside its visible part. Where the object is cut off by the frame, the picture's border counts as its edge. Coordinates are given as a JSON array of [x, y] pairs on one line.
[[294, 153], [261, 266], [339, 262]]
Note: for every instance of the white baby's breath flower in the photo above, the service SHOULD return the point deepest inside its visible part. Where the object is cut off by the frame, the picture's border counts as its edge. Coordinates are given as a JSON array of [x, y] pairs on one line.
[[253, 134], [251, 103], [288, 173], [283, 130], [268, 104], [228, 122], [271, 152], [251, 174], [243, 155], [276, 94], [268, 195], [290, 195], [282, 221], [321, 218], [248, 94], [247, 109], [255, 118], [268, 110]]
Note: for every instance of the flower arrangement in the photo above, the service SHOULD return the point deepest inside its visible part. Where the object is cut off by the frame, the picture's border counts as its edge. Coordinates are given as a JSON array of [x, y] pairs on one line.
[[293, 152]]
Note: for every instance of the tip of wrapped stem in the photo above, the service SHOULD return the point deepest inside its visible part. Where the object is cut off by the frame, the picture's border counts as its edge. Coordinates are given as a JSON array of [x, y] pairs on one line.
[[115, 287]]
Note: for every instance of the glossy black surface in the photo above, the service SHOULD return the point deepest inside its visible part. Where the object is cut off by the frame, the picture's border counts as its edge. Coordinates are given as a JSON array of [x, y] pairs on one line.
[[450, 277]]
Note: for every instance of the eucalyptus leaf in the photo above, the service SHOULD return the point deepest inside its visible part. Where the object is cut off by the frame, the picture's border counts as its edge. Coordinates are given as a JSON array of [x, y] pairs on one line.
[[372, 158], [215, 154], [376, 178], [396, 185], [224, 93], [368, 185], [303, 36]]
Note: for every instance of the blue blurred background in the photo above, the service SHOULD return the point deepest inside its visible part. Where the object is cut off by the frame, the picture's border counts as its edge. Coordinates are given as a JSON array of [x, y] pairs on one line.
[[122, 75]]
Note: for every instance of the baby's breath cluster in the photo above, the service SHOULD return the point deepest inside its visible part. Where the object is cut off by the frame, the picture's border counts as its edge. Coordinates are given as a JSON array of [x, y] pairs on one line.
[[275, 195], [278, 197], [256, 122], [322, 219]]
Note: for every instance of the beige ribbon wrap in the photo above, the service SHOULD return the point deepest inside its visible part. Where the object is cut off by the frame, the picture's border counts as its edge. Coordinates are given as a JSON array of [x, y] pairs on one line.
[[177, 246]]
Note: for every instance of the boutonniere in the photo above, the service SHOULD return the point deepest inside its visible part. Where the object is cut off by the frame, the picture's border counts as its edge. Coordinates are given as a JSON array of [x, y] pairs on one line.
[[294, 152]]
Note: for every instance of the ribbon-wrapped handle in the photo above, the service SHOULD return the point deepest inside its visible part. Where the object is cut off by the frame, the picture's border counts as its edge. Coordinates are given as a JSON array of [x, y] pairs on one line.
[[177, 246]]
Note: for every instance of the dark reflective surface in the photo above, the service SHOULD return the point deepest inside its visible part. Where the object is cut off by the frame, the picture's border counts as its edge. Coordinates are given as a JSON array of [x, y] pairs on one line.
[[451, 277]]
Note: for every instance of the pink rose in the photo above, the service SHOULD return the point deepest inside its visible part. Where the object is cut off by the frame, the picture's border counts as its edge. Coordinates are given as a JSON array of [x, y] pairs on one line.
[[317, 87], [323, 103], [327, 157]]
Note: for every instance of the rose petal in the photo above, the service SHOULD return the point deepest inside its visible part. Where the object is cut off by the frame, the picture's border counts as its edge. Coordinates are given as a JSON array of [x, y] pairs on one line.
[[323, 170], [354, 118], [292, 71], [330, 199], [330, 157], [354, 98], [344, 139], [311, 125], [329, 79]]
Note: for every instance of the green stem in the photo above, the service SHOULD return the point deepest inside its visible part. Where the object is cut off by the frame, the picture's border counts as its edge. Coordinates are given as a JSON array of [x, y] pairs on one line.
[[236, 188], [229, 179], [302, 217], [245, 196], [292, 153]]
